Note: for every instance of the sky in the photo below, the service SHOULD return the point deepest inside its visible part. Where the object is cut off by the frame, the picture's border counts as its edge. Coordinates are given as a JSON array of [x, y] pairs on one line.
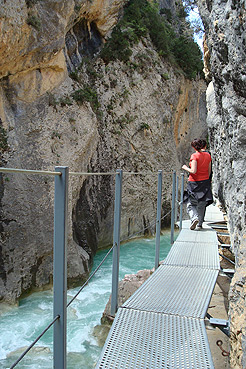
[[193, 16]]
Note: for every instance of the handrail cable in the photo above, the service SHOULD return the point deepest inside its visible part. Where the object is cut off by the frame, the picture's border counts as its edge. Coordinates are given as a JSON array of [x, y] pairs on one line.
[[43, 172], [145, 173], [105, 257], [140, 173], [34, 342], [92, 275], [58, 316], [137, 233], [86, 282], [144, 229], [28, 171], [93, 174], [113, 173]]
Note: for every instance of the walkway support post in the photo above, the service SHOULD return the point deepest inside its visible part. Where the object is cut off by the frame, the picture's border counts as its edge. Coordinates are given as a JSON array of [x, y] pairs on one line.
[[116, 241], [176, 198], [60, 268], [173, 207], [181, 201], [158, 219]]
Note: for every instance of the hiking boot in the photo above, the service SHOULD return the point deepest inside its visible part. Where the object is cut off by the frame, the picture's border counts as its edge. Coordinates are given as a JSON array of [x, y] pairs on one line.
[[194, 224]]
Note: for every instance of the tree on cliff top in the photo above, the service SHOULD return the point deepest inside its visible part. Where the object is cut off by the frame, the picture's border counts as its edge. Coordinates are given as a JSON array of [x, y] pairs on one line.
[[142, 18]]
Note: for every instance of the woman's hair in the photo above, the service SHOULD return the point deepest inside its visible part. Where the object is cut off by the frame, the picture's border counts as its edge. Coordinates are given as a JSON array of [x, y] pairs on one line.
[[197, 144], [204, 143]]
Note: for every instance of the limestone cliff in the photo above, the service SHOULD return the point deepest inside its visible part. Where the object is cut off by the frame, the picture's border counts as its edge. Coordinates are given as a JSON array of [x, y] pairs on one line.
[[61, 105], [225, 23]]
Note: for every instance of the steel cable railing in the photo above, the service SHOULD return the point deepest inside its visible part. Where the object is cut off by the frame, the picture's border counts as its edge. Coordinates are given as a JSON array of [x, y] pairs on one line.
[[82, 287], [34, 342], [92, 275], [80, 290], [29, 171], [62, 187], [143, 229], [58, 316]]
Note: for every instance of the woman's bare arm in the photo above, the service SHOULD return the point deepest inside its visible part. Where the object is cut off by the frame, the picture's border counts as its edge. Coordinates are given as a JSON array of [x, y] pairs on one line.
[[193, 167]]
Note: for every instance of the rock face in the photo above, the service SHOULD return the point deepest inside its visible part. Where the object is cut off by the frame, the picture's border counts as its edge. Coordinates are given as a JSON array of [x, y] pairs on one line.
[[33, 32], [225, 24], [138, 117], [127, 286]]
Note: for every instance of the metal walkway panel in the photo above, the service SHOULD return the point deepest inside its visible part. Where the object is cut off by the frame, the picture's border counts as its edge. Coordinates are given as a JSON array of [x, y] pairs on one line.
[[146, 340], [213, 213], [175, 290], [191, 254], [186, 225], [203, 236]]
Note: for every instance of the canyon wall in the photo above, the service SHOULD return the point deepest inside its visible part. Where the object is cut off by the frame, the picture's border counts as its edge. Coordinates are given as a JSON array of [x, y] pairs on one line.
[[225, 26], [62, 105]]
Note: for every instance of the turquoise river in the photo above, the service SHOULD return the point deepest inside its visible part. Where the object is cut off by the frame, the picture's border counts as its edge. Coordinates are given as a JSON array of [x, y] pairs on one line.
[[20, 325]]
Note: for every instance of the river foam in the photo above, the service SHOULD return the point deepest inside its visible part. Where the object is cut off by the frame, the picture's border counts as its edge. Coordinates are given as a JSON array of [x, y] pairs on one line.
[[19, 326]]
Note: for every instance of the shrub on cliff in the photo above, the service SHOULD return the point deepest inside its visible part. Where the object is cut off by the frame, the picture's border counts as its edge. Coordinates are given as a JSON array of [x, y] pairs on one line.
[[118, 47], [86, 94], [3, 140], [141, 18], [188, 56]]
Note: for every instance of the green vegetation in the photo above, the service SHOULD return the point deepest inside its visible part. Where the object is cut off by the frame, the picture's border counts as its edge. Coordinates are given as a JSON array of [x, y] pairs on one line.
[[182, 13], [77, 8], [3, 140], [144, 126], [52, 100], [65, 100], [141, 18], [87, 94], [123, 120], [34, 21], [165, 76], [113, 83], [118, 47], [188, 54], [74, 75], [167, 13], [90, 70], [55, 134], [31, 3]]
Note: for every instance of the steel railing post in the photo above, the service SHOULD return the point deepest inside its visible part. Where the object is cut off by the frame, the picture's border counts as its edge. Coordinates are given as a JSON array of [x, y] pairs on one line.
[[173, 207], [158, 219], [116, 241], [181, 201], [60, 268], [176, 198]]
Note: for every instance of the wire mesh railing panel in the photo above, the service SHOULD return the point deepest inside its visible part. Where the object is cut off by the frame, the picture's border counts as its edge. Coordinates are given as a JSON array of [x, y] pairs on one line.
[[141, 340]]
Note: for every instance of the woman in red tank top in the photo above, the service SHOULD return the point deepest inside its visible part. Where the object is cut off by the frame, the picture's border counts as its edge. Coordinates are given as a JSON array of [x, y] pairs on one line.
[[198, 194]]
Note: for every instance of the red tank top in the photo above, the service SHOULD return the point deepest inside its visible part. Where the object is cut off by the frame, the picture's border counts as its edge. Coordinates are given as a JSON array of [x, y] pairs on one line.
[[203, 159]]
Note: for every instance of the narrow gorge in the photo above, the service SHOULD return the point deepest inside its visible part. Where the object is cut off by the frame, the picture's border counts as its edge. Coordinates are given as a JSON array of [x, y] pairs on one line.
[[83, 84], [64, 103]]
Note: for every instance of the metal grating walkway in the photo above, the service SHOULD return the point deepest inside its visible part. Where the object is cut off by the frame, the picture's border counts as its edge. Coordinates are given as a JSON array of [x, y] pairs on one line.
[[192, 254], [140, 339], [204, 236], [161, 325], [175, 290]]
